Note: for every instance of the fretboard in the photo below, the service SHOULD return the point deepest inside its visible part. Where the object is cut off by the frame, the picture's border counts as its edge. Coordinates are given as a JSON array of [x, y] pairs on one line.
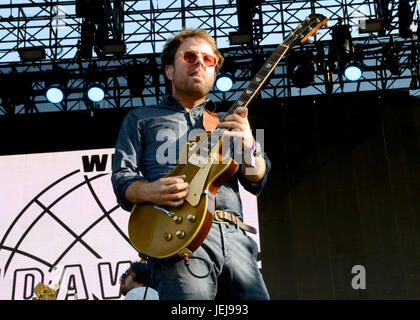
[[259, 79]]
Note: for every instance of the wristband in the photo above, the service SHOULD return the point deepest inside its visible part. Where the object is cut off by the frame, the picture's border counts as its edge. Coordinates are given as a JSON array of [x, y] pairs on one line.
[[254, 148]]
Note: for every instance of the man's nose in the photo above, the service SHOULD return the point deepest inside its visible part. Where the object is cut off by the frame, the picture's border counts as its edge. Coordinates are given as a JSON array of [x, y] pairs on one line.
[[200, 60]]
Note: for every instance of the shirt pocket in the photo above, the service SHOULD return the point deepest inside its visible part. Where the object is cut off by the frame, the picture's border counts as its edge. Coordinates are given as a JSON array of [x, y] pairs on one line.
[[163, 138]]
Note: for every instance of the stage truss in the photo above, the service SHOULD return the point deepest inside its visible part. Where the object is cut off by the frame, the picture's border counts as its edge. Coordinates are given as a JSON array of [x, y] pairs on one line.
[[145, 26]]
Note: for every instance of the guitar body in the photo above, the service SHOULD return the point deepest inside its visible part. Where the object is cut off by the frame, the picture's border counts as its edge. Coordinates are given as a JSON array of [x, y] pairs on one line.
[[178, 231]]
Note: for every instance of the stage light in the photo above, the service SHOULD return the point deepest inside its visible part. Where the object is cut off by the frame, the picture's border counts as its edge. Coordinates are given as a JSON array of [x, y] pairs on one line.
[[341, 49], [96, 92], [28, 54], [371, 25], [95, 82], [245, 10], [135, 79], [240, 37], [405, 17], [353, 71], [54, 94], [56, 81], [224, 82], [301, 68], [343, 52], [113, 46], [391, 60], [87, 35]]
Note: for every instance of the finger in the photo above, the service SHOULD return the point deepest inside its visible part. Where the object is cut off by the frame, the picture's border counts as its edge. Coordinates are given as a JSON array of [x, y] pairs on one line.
[[175, 196], [242, 112], [237, 134], [236, 117], [243, 139], [232, 125], [174, 188], [173, 180]]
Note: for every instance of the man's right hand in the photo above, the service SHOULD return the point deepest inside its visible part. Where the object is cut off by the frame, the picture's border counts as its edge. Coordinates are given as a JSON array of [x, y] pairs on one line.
[[168, 191]]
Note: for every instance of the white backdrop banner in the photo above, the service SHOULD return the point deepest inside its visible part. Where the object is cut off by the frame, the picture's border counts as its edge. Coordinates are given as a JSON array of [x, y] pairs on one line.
[[60, 221]]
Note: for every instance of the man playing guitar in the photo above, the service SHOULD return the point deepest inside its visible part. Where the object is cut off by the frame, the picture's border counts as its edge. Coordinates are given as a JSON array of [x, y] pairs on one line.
[[226, 265]]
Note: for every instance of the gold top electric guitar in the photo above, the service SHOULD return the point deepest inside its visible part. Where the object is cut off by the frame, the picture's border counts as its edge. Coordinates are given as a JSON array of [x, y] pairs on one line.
[[163, 232]]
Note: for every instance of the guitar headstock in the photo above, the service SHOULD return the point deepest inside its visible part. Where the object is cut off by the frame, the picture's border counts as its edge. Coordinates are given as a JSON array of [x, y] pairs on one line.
[[306, 29], [44, 292]]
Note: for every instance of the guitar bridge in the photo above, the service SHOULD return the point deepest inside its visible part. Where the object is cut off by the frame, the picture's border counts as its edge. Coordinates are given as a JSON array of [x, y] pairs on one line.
[[167, 212]]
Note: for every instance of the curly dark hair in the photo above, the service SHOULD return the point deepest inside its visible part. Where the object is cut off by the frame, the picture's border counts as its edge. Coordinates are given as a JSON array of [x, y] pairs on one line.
[[141, 273], [171, 46]]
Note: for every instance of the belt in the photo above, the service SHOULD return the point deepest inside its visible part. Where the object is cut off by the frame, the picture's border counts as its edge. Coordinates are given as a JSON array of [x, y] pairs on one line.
[[223, 216]]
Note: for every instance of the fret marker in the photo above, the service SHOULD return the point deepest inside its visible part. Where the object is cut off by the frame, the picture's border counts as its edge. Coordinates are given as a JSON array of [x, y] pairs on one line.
[[258, 79], [249, 91], [268, 65], [241, 103]]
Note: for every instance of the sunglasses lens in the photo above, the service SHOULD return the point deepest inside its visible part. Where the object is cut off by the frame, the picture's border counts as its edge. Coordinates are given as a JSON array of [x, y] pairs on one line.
[[209, 60], [190, 57]]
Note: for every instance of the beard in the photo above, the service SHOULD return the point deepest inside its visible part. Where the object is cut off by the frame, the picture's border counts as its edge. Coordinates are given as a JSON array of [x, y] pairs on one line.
[[124, 291], [193, 87]]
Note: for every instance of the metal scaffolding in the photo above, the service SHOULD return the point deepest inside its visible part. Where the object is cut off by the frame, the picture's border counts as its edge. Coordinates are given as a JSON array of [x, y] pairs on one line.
[[146, 25]]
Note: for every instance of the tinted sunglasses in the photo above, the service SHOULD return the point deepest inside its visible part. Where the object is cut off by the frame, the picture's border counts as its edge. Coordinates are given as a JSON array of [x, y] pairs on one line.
[[191, 57]]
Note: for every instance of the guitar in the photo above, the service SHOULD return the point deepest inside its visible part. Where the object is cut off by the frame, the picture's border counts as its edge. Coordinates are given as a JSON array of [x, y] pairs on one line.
[[163, 232], [44, 292]]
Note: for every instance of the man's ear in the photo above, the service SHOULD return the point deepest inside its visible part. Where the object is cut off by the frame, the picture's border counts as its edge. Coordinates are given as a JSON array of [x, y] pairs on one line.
[[169, 71]]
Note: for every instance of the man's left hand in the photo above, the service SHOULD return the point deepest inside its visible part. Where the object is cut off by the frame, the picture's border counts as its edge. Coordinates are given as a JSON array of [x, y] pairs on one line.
[[239, 125]]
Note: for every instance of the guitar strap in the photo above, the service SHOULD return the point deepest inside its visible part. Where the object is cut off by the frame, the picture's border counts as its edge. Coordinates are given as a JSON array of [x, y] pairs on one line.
[[145, 293], [210, 120]]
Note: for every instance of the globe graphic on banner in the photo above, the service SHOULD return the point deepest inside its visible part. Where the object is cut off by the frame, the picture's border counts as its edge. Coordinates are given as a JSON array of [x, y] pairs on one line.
[[73, 222], [61, 225]]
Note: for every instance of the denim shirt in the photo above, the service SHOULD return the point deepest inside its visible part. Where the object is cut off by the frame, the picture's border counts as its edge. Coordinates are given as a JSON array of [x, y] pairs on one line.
[[149, 144]]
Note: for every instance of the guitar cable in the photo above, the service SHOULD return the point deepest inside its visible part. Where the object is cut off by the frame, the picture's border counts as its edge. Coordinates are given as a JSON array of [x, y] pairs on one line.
[[145, 292], [187, 265]]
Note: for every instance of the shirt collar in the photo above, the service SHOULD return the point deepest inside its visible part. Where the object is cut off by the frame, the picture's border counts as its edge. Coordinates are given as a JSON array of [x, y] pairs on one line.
[[171, 102]]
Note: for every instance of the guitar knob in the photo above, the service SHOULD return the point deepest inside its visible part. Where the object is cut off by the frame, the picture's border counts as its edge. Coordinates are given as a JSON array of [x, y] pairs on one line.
[[180, 234], [177, 219], [167, 236], [191, 218]]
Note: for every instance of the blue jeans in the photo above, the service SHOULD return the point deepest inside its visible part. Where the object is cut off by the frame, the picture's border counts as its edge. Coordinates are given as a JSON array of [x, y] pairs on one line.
[[234, 273]]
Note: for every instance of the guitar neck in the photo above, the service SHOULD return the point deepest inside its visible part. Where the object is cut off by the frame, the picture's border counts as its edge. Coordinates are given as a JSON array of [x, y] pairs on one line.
[[259, 79], [300, 35]]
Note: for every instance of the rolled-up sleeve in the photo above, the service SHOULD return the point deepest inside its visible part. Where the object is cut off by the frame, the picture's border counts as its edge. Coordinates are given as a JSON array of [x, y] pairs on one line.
[[255, 187], [128, 153]]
